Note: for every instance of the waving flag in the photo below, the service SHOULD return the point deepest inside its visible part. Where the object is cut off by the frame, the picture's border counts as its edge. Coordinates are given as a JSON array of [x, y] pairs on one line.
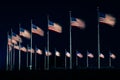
[[37, 30], [16, 47], [107, 19], [23, 49], [77, 23], [68, 54], [24, 33], [112, 56], [16, 37], [10, 43], [11, 40], [57, 53], [38, 51], [30, 50], [48, 53], [79, 55], [90, 55], [54, 27], [101, 56]]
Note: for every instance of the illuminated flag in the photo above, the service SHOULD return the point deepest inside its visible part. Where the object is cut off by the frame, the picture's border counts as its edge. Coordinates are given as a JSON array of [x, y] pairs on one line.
[[48, 53], [16, 37], [23, 49], [37, 30], [57, 53], [54, 27], [16, 47], [77, 23], [30, 50], [90, 55], [11, 41], [24, 33], [101, 56], [38, 51], [79, 55], [68, 54], [107, 19], [112, 56]]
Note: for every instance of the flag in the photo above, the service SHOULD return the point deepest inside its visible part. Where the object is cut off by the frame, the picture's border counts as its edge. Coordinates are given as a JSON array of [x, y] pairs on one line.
[[23, 49], [24, 33], [16, 47], [90, 55], [57, 53], [112, 56], [68, 54], [11, 41], [107, 19], [79, 55], [30, 50], [77, 23], [54, 27], [37, 30], [48, 53], [101, 56], [38, 51], [16, 37]]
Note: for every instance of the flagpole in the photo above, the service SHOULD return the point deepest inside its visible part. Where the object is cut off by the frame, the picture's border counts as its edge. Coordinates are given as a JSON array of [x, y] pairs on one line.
[[31, 48], [109, 59], [98, 40], [19, 66], [45, 60], [13, 57], [65, 59], [48, 45], [9, 56], [76, 59], [55, 59], [35, 58], [7, 53], [27, 57], [87, 59], [11, 53], [70, 42]]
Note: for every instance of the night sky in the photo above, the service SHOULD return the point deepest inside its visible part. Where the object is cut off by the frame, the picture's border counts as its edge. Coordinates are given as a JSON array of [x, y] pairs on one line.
[[11, 15]]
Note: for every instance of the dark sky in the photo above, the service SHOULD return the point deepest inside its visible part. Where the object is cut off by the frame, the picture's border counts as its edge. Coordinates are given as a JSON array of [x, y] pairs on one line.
[[13, 14]]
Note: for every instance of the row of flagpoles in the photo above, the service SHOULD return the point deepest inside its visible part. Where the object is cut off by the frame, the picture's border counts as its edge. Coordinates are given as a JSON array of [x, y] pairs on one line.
[[15, 40], [57, 54]]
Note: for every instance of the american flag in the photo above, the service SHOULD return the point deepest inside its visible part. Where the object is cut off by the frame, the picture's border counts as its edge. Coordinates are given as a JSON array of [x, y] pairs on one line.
[[30, 50], [48, 53], [16, 47], [112, 56], [90, 55], [57, 53], [16, 37], [77, 23], [22, 48], [37, 30], [101, 56], [54, 27], [68, 54], [38, 51], [107, 19], [79, 55], [25, 33]]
